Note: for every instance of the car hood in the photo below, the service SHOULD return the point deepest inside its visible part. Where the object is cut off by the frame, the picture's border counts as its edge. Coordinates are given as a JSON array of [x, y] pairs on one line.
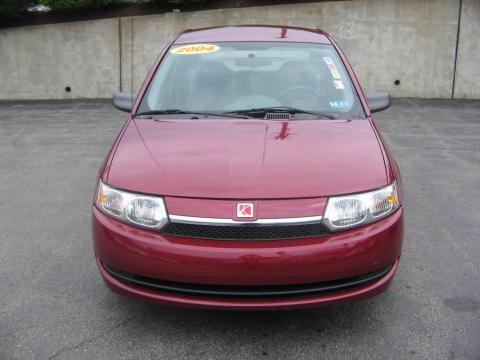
[[248, 159]]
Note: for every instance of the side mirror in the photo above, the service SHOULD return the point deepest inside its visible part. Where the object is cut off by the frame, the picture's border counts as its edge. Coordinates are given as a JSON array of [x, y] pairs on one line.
[[123, 101], [379, 101]]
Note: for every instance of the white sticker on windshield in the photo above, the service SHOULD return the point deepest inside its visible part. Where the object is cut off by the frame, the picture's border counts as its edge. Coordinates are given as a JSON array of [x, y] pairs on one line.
[[338, 84], [339, 104], [332, 67]]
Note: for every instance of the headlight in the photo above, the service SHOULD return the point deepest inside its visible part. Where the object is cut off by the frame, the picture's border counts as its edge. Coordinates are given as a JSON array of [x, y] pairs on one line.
[[348, 211], [141, 210]]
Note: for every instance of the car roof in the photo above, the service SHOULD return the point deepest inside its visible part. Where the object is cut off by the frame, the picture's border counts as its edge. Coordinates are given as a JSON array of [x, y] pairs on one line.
[[253, 33]]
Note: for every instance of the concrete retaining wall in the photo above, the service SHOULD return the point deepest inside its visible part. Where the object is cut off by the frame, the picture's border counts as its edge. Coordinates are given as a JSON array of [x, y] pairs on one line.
[[386, 40], [39, 62], [467, 77]]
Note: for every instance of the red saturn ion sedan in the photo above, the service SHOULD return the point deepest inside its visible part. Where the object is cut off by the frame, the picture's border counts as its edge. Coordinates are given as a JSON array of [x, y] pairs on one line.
[[249, 175]]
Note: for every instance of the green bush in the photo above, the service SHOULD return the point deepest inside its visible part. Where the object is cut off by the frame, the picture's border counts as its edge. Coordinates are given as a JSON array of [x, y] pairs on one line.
[[183, 2], [82, 4], [75, 4], [11, 8]]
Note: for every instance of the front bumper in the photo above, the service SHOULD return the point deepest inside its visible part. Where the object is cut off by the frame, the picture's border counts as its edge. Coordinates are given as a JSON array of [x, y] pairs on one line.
[[322, 259]]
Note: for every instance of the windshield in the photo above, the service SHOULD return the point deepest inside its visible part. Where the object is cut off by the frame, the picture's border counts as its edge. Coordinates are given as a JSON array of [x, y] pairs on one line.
[[234, 76]]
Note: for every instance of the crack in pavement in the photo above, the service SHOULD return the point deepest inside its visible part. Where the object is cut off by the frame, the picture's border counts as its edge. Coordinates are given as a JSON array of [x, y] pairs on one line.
[[433, 148], [90, 340]]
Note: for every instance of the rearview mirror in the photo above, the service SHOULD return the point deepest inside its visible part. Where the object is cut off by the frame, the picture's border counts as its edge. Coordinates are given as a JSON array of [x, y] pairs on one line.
[[379, 101], [123, 101]]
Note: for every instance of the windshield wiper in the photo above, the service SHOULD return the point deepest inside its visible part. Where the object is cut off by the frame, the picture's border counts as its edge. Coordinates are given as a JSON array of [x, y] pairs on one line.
[[178, 111], [280, 109]]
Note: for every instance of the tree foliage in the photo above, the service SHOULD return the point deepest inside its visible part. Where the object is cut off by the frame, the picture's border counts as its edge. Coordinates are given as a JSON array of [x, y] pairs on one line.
[[183, 2], [11, 8], [75, 4], [79, 4]]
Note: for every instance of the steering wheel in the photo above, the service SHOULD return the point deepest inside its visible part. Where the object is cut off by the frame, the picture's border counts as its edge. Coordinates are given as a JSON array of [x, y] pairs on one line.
[[300, 96]]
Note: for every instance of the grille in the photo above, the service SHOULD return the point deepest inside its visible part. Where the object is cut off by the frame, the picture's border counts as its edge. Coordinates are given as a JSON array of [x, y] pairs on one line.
[[245, 232], [248, 292], [277, 116]]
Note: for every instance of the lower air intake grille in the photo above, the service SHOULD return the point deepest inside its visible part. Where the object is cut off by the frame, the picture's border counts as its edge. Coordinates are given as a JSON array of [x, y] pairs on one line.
[[247, 292]]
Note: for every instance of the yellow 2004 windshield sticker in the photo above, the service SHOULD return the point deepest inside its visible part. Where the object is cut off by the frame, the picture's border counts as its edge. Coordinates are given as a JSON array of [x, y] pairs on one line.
[[195, 49]]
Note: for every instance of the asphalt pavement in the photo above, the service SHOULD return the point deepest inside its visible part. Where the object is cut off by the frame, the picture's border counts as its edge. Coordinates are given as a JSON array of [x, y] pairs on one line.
[[53, 304]]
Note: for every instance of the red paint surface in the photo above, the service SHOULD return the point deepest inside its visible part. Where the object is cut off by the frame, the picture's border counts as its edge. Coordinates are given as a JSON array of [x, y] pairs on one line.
[[268, 262], [243, 159], [287, 169], [280, 304], [297, 261], [264, 209], [253, 33]]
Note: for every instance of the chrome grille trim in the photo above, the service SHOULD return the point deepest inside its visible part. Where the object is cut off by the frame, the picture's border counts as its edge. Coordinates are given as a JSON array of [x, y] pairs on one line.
[[229, 222]]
